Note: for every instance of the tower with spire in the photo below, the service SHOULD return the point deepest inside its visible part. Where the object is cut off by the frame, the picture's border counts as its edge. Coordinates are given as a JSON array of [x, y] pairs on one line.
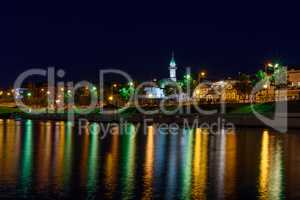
[[172, 68]]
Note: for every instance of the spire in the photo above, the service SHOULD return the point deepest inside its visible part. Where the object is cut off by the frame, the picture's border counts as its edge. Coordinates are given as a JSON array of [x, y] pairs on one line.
[[172, 62], [172, 68]]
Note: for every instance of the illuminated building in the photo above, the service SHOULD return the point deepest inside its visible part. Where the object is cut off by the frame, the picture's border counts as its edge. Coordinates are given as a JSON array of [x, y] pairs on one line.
[[154, 92], [172, 69], [217, 91], [294, 77]]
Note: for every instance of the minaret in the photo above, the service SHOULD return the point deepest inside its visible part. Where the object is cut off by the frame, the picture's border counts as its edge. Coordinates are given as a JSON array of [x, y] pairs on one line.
[[172, 68]]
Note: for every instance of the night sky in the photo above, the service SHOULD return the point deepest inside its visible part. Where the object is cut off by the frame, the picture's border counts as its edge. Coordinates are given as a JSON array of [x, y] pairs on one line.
[[83, 37]]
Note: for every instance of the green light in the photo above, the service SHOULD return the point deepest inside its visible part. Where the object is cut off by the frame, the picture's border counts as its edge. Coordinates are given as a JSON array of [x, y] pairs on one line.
[[187, 77], [186, 172], [127, 91], [29, 94], [94, 88], [93, 160], [67, 132], [128, 159], [26, 158]]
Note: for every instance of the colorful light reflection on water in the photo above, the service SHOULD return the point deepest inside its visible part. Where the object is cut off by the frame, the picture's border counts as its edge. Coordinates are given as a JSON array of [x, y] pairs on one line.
[[50, 160]]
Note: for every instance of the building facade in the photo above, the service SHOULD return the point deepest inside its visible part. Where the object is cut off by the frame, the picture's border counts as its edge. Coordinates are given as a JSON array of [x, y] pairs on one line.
[[294, 78], [172, 69]]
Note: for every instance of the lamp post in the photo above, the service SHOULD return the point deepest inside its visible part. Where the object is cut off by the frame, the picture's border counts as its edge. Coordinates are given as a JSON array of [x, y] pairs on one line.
[[202, 75]]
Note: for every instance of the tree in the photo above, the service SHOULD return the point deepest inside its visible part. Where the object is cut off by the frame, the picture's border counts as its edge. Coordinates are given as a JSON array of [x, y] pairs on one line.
[[261, 75], [127, 91], [279, 77], [188, 84]]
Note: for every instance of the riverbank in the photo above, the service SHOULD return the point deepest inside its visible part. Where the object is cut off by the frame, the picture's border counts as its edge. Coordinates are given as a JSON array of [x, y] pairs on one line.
[[237, 114]]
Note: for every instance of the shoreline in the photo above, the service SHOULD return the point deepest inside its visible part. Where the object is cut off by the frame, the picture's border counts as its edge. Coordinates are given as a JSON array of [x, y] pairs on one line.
[[240, 115], [238, 120]]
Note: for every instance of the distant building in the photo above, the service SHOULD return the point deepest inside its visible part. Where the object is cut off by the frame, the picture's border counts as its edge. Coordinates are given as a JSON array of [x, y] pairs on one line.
[[157, 92], [173, 68], [294, 77], [20, 92], [201, 91], [217, 91], [154, 92]]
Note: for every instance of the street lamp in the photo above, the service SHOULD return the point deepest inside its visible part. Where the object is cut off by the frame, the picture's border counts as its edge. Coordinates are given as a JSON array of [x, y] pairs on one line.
[[201, 75], [130, 83], [274, 66]]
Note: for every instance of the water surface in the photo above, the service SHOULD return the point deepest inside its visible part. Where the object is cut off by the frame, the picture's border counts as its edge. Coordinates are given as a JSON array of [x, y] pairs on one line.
[[50, 160]]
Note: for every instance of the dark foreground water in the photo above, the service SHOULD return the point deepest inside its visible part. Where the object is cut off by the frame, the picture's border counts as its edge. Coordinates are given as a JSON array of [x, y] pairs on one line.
[[50, 160]]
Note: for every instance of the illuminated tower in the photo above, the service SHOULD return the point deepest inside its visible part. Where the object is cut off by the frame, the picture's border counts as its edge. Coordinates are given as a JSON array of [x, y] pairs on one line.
[[172, 68]]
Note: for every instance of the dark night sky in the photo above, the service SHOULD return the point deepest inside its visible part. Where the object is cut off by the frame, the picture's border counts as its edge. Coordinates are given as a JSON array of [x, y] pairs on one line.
[[83, 37]]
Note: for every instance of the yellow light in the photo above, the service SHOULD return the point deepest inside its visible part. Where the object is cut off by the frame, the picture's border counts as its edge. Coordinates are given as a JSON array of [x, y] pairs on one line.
[[197, 92], [115, 85], [62, 89], [8, 94], [202, 73], [111, 98], [270, 65], [12, 90], [48, 92], [1, 92], [42, 90], [265, 86]]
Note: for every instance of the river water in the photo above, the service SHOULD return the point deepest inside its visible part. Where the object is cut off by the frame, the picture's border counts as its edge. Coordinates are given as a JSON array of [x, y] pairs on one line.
[[51, 160]]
